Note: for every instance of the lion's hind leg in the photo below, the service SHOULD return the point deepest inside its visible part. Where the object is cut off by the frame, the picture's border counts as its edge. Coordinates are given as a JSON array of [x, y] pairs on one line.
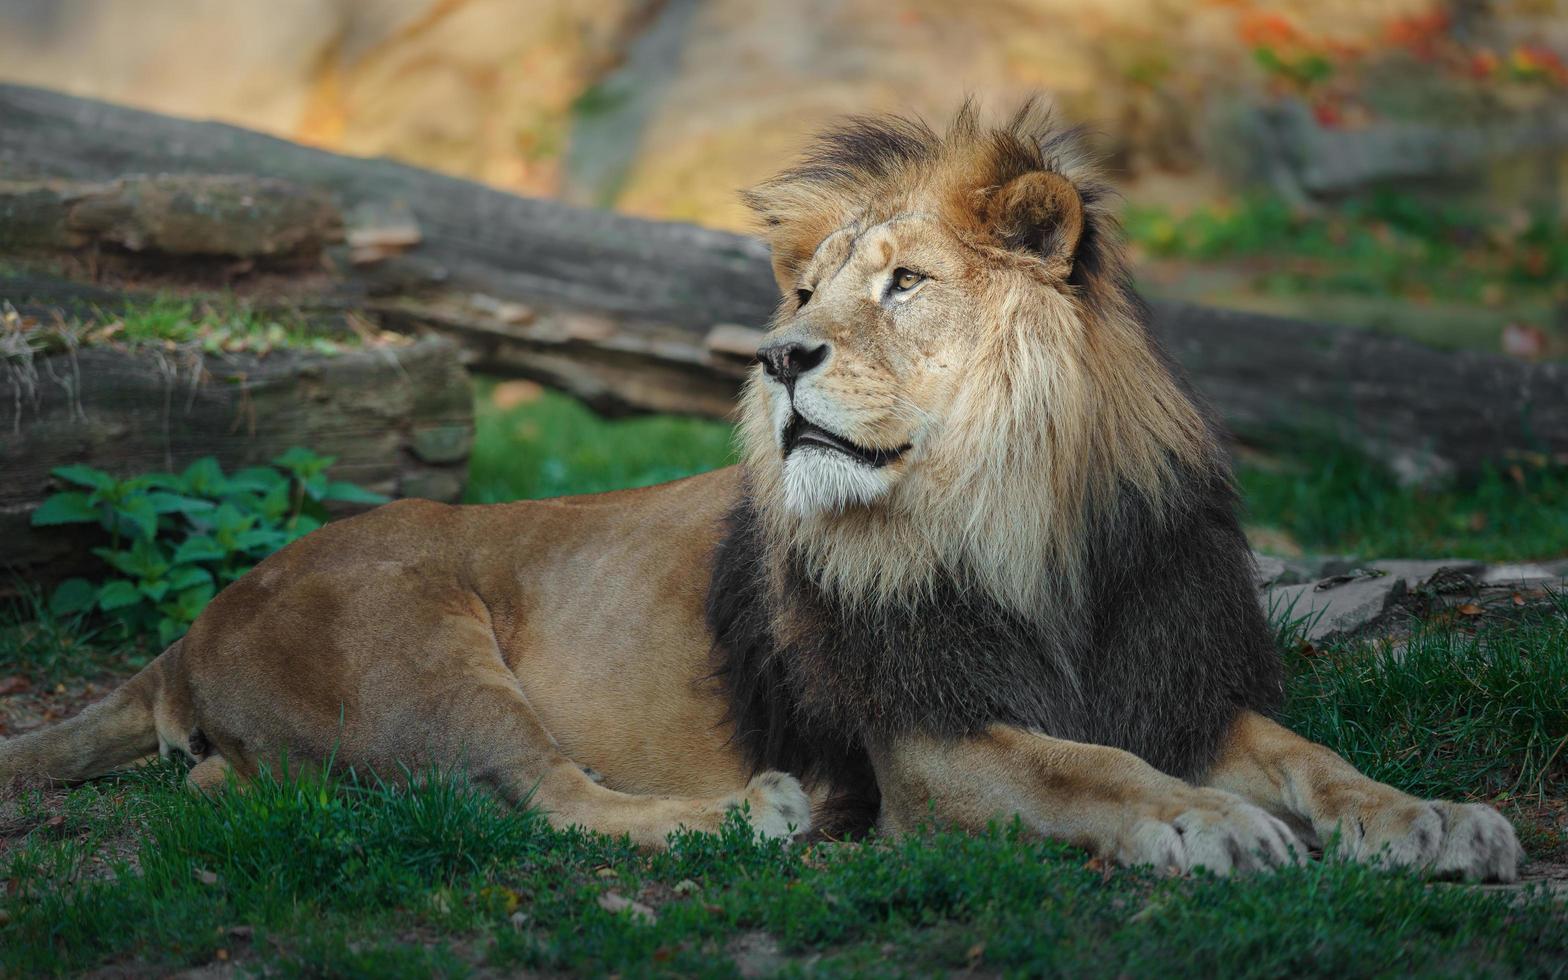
[[1327, 798], [509, 750], [479, 719]]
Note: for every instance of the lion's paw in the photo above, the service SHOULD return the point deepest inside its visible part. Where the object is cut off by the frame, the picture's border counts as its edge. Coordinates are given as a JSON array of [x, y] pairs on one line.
[[777, 805], [1471, 841], [1212, 829]]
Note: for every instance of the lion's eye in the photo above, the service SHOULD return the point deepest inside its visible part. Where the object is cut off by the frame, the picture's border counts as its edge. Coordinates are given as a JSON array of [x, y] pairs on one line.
[[803, 295], [904, 280]]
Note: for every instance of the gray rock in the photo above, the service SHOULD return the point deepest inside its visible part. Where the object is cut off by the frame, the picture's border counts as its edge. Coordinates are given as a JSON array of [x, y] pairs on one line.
[[1418, 571], [1332, 612], [1266, 570], [1521, 574]]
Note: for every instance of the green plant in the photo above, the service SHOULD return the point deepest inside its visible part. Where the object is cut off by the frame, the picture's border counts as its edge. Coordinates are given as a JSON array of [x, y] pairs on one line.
[[175, 539]]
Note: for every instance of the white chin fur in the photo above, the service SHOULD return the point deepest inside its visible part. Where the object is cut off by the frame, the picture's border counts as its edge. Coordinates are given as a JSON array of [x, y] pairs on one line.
[[822, 481]]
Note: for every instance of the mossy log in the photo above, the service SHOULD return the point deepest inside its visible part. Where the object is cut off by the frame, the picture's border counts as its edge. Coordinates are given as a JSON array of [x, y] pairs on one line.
[[399, 420], [643, 315]]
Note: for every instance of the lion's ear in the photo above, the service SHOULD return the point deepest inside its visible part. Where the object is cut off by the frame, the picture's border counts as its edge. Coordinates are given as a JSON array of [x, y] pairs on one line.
[[1040, 212], [787, 261]]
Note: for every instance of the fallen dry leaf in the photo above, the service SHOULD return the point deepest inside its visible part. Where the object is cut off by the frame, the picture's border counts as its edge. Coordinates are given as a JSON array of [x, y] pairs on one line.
[[1469, 609], [204, 876], [14, 684], [1518, 599]]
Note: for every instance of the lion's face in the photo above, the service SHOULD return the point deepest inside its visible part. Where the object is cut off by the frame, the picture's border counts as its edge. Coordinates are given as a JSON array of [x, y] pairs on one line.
[[864, 358]]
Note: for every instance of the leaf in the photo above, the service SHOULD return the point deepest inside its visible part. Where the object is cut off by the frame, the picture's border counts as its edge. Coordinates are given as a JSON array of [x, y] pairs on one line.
[[205, 477], [314, 486], [188, 576], [74, 595], [198, 547], [84, 476], [117, 595], [352, 494], [14, 684], [176, 503], [70, 507], [191, 602], [229, 519], [170, 630], [276, 503], [257, 479], [139, 516], [1469, 609], [153, 590], [302, 462], [263, 538], [301, 526]]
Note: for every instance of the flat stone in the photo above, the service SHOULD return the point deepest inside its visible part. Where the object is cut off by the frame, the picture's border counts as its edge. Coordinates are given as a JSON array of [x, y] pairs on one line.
[[1520, 574], [1309, 568], [1334, 611], [1266, 570], [1417, 571]]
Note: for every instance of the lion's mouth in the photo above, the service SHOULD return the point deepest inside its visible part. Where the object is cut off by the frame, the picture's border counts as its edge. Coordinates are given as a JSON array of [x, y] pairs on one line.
[[801, 433]]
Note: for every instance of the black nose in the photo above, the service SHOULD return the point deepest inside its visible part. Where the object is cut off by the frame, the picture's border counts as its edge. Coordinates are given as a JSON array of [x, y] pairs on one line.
[[787, 362]]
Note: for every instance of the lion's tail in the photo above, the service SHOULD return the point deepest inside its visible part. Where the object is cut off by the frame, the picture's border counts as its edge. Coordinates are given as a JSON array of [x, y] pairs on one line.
[[121, 728]]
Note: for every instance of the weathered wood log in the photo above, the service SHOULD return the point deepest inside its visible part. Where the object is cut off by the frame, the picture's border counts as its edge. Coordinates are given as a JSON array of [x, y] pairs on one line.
[[645, 315], [398, 419]]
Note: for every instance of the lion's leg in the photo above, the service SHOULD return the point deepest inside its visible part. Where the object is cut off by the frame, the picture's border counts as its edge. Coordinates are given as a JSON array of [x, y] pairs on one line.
[[1103, 799], [511, 751], [485, 724], [210, 776], [1323, 794]]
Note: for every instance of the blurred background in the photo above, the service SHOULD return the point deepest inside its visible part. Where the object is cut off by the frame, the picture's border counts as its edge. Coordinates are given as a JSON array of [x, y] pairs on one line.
[[1387, 162]]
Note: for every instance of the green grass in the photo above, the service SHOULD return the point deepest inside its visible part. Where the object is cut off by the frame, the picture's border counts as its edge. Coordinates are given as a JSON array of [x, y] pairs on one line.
[[302, 875], [48, 649], [1383, 244], [1331, 500], [1447, 711], [214, 324], [551, 445], [1327, 499]]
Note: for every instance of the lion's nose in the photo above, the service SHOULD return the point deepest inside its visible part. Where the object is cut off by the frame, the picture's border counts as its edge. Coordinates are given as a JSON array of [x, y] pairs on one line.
[[789, 361]]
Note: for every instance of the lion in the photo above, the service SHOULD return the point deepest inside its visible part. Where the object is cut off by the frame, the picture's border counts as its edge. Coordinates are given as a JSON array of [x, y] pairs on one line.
[[980, 561]]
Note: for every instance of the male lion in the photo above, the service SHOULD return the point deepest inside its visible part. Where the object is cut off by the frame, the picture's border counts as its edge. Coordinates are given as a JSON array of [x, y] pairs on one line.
[[981, 560]]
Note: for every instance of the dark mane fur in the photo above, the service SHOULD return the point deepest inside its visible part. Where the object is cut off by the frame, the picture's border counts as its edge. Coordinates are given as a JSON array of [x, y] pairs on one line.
[[1168, 646]]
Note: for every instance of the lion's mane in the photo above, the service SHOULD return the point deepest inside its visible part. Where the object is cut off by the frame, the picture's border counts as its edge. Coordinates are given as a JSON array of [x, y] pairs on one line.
[[1068, 560]]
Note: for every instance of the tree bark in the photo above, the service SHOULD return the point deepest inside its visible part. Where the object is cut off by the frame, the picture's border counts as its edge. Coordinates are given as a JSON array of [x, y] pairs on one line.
[[643, 315], [399, 420]]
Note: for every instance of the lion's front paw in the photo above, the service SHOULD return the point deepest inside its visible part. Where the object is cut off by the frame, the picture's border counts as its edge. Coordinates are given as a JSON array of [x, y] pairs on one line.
[[777, 805], [1449, 840], [1211, 829]]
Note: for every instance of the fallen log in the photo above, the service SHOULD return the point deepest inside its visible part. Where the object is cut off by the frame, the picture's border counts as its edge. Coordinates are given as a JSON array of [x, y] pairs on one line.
[[398, 419], [644, 315]]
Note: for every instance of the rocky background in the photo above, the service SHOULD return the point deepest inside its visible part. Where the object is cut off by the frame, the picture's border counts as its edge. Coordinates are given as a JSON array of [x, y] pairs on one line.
[[664, 107]]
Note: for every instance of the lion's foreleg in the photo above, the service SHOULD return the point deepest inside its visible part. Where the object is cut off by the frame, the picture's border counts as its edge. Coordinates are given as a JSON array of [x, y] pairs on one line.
[[1326, 798], [1103, 799]]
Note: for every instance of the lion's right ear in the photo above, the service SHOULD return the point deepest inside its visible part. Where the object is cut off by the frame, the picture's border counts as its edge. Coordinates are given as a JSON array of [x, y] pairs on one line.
[[792, 226], [788, 259], [1041, 213]]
